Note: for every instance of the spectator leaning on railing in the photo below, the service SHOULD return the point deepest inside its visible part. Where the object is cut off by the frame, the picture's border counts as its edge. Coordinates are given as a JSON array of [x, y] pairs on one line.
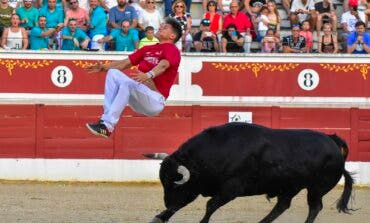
[[14, 37], [205, 40], [294, 43], [149, 38], [40, 35], [79, 14], [358, 42], [98, 24], [73, 37]]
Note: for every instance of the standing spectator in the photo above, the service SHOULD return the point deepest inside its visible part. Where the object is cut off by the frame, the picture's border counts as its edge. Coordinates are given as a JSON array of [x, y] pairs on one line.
[[358, 42], [294, 43], [150, 16], [79, 14], [60, 4], [302, 10], [184, 18], [6, 12], [205, 40], [28, 14], [74, 38], [328, 43], [348, 21], [242, 23], [168, 9], [273, 17], [270, 43], [326, 13], [126, 38], [214, 17], [122, 12], [232, 40], [14, 37], [149, 38], [98, 24], [55, 15], [307, 34], [39, 35]]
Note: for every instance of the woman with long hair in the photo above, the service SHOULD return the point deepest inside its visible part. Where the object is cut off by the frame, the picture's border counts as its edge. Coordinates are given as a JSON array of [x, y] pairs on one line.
[[184, 18], [215, 18], [274, 17], [14, 37], [149, 16], [328, 42]]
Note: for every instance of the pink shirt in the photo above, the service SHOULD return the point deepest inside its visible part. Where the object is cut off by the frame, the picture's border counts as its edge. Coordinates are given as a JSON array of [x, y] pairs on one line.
[[79, 15], [308, 36], [149, 56]]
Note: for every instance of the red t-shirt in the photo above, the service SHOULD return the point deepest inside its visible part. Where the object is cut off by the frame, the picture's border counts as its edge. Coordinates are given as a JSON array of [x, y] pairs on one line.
[[149, 56]]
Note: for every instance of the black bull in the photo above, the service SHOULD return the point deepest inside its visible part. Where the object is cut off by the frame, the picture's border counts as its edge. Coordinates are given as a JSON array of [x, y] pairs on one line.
[[236, 159]]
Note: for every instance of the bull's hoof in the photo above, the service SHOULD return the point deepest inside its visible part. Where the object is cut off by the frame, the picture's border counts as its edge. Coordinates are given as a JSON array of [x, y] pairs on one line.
[[156, 220]]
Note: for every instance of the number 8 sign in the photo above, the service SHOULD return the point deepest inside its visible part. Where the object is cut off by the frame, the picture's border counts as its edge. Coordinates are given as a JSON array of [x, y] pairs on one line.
[[61, 76], [308, 79]]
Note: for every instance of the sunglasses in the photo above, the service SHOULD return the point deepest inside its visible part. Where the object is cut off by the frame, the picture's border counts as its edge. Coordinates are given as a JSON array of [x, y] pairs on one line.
[[149, 2], [179, 6]]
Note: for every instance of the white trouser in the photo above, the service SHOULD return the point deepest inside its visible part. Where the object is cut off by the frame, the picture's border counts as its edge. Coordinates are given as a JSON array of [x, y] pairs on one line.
[[120, 91], [247, 43]]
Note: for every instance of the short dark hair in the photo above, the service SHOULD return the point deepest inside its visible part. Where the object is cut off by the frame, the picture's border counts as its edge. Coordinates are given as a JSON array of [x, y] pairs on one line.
[[360, 23], [176, 27], [149, 28]]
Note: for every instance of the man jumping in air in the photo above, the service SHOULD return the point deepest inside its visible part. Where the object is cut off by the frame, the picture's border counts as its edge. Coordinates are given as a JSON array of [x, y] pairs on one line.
[[147, 89]]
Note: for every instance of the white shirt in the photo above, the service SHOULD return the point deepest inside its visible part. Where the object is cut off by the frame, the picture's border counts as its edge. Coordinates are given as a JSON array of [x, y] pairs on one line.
[[151, 19], [351, 20], [261, 25]]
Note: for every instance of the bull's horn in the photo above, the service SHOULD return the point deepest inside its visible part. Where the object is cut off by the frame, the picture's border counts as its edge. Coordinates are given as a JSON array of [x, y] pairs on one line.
[[157, 156], [185, 175]]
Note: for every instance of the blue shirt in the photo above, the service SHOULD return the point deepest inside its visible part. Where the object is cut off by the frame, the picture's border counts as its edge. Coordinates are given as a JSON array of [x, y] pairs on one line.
[[32, 15], [352, 38], [68, 44], [98, 21], [37, 42], [52, 18], [116, 16], [125, 42]]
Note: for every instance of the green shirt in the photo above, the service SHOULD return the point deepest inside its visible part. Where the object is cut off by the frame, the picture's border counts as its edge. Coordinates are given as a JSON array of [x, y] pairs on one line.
[[5, 15]]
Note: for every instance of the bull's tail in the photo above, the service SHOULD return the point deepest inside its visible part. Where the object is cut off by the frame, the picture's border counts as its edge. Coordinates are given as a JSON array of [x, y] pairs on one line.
[[158, 156], [342, 204], [341, 144]]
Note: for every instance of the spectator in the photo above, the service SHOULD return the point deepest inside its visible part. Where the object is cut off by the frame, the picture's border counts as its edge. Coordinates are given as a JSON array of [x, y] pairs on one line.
[[253, 8], [14, 37], [273, 17], [149, 38], [205, 40], [74, 38], [263, 22], [150, 16], [126, 38], [79, 14], [362, 7], [139, 6], [28, 14], [39, 35], [6, 12], [348, 21], [286, 5], [367, 11], [242, 23], [358, 42], [224, 6], [326, 13], [214, 17], [270, 43], [302, 10], [108, 4], [122, 12], [184, 18], [294, 43], [328, 43], [168, 6], [232, 40], [98, 24], [60, 4], [307, 34], [55, 16], [14, 3]]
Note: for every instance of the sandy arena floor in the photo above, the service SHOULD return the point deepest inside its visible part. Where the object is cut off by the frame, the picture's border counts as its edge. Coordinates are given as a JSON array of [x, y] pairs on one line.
[[37, 202]]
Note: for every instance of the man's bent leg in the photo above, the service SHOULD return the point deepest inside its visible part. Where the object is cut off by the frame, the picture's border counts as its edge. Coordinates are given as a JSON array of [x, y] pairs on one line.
[[146, 101]]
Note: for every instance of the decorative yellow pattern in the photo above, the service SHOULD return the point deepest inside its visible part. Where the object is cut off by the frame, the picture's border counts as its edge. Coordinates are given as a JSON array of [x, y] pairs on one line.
[[363, 68], [255, 67], [83, 64], [10, 64]]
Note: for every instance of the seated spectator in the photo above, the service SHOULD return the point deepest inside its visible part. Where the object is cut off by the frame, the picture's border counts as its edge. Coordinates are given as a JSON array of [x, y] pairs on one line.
[[126, 38], [224, 6], [184, 18], [149, 38], [242, 23], [263, 22], [150, 16], [14, 37], [307, 34], [6, 12], [253, 8], [28, 15], [294, 43], [139, 6], [302, 10], [358, 42], [79, 14], [98, 24], [367, 11], [215, 18], [60, 4], [168, 6], [74, 38], [273, 17], [270, 43], [232, 40], [123, 11], [328, 43], [326, 13], [348, 21], [205, 40], [40, 35]]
